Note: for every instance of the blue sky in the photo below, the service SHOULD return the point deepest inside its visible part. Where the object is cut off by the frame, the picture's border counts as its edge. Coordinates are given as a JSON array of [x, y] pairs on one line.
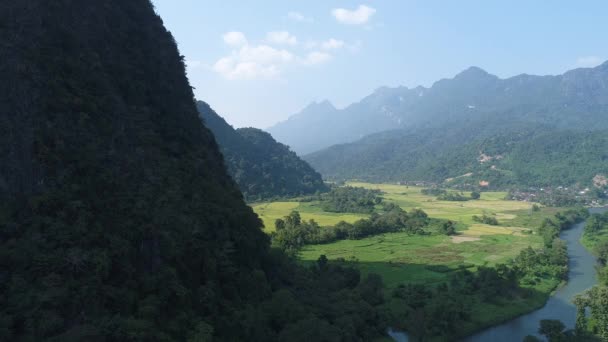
[[257, 62]]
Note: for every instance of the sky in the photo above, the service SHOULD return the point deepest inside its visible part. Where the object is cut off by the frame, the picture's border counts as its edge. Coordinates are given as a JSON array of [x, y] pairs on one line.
[[258, 62]]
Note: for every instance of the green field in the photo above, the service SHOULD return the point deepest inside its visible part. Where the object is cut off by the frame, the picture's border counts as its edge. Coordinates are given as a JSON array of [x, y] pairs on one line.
[[400, 257], [422, 259], [270, 211]]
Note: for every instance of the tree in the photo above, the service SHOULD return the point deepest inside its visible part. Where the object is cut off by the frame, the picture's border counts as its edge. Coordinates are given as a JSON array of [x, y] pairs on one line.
[[372, 289], [448, 228], [601, 250], [322, 262], [581, 317], [475, 195], [262, 167], [594, 224], [598, 302], [553, 329], [203, 333]]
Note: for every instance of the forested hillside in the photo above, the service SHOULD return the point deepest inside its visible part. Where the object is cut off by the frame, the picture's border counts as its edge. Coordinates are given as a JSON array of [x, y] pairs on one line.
[[578, 99], [501, 153], [262, 167], [118, 220]]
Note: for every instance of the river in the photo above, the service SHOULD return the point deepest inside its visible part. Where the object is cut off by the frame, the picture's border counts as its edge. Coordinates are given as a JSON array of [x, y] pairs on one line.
[[581, 276]]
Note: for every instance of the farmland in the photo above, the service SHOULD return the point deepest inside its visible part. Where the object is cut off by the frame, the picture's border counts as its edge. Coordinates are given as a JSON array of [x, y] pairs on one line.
[[270, 211], [404, 258], [400, 257]]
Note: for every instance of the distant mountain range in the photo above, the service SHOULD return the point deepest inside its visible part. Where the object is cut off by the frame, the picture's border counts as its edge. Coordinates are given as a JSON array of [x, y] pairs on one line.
[[262, 167], [476, 129], [576, 99]]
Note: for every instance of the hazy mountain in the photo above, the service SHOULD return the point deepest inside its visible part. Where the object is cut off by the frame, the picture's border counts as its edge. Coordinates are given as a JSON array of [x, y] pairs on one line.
[[578, 98], [118, 220], [320, 125], [262, 167]]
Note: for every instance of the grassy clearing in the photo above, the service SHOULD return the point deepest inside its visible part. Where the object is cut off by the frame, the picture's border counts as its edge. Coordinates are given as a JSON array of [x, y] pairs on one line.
[[402, 258], [271, 211]]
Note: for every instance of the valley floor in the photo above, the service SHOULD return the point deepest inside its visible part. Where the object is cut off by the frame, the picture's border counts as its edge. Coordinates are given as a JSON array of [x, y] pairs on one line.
[[430, 259]]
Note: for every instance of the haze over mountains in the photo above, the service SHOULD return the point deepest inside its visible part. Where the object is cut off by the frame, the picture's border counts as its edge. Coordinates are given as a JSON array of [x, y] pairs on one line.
[[576, 99]]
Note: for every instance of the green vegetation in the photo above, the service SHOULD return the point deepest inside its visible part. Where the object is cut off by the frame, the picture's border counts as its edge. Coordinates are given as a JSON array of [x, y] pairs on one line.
[[551, 227], [596, 299], [262, 167], [118, 220], [291, 233], [453, 196], [404, 260], [486, 219], [348, 199], [433, 191], [269, 212], [450, 309], [495, 154], [512, 214]]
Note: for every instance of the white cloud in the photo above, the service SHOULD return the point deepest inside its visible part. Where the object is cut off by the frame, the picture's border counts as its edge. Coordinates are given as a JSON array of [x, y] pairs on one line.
[[253, 62], [281, 37], [234, 38], [359, 16], [299, 17], [265, 54], [317, 57], [589, 61], [233, 69], [263, 61], [332, 44]]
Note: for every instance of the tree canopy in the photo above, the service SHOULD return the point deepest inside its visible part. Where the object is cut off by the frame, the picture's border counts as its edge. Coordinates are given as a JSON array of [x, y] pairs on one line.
[[262, 167], [118, 220]]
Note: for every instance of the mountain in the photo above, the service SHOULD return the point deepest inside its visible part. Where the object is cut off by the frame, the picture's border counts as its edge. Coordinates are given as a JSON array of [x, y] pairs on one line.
[[320, 125], [497, 154], [262, 167], [118, 219], [576, 99]]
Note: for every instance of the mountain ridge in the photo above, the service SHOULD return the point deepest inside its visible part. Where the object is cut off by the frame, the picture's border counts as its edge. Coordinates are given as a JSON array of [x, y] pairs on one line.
[[472, 93], [262, 167]]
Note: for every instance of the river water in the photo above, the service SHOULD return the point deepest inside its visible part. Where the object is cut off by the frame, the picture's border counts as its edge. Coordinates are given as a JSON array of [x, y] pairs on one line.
[[581, 276]]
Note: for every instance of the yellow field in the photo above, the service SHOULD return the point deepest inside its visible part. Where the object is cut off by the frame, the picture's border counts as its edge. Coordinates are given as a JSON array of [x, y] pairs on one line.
[[271, 211], [409, 197]]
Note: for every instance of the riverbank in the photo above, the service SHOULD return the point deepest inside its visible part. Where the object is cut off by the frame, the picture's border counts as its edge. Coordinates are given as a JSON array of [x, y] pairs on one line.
[[559, 306], [581, 276]]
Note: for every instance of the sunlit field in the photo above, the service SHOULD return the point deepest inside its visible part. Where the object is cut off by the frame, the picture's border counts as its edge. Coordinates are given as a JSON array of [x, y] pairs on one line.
[[400, 257], [270, 211], [409, 197]]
